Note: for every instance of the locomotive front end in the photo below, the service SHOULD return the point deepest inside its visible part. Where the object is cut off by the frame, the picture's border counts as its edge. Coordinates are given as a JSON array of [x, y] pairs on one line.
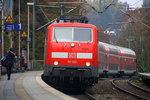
[[71, 55]]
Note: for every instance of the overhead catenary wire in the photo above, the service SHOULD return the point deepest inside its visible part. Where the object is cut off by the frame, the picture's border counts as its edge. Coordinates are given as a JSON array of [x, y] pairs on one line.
[[73, 8], [136, 3], [48, 6], [137, 20], [93, 8], [108, 6], [54, 19], [134, 19], [44, 14], [145, 15]]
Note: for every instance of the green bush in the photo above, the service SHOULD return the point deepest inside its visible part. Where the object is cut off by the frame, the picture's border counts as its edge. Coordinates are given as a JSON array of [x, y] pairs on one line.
[[38, 66]]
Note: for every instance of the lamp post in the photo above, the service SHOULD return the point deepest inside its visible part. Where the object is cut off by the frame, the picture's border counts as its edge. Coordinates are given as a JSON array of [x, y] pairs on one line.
[[2, 11], [19, 36], [11, 13], [28, 60], [33, 34]]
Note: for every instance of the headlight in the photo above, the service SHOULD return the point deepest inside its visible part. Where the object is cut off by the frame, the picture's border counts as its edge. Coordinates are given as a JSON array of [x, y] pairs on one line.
[[56, 63], [87, 64], [72, 44]]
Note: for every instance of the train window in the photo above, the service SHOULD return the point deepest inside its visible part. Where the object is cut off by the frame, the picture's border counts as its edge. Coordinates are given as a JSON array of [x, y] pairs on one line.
[[72, 34], [63, 34], [113, 51], [82, 34]]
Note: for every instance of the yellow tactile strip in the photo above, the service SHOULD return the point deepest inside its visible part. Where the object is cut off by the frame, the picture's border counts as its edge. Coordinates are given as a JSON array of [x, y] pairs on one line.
[[20, 91]]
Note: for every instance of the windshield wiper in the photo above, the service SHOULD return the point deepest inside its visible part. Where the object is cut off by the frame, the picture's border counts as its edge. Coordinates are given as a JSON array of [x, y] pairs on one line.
[[55, 38]]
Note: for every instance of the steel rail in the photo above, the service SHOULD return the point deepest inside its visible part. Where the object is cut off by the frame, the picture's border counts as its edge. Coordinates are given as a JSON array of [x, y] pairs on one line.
[[136, 86], [89, 96], [129, 92]]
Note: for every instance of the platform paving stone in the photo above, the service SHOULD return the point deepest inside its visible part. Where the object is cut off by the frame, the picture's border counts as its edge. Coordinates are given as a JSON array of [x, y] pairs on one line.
[[28, 86]]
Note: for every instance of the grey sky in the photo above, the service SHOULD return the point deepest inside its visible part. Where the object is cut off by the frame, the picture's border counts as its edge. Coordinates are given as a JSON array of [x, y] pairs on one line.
[[133, 3]]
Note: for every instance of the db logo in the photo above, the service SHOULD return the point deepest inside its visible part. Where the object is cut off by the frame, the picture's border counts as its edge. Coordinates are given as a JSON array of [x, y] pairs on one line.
[[72, 61], [72, 55]]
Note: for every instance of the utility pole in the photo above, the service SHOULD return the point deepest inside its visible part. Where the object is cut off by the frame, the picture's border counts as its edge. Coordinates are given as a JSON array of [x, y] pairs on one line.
[[11, 13], [28, 51], [100, 5], [129, 36], [129, 41], [61, 9], [2, 11], [19, 36], [33, 35]]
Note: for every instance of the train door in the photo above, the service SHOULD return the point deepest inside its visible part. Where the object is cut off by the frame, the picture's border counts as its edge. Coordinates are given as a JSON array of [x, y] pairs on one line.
[[122, 64], [106, 63], [134, 63], [130, 65], [101, 62], [113, 64]]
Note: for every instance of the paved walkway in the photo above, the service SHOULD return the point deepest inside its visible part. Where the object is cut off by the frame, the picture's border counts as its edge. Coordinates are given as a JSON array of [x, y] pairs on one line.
[[144, 75], [7, 91], [28, 86]]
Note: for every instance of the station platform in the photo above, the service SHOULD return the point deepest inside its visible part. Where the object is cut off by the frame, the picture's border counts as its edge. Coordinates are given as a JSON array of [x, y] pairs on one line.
[[29, 86], [144, 75]]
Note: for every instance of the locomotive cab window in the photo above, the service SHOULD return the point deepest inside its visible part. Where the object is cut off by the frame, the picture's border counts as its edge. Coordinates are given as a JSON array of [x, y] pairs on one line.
[[82, 34], [72, 34]]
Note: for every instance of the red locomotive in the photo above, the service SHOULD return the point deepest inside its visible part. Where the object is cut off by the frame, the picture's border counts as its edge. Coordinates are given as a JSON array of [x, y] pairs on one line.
[[75, 59], [71, 59], [116, 60]]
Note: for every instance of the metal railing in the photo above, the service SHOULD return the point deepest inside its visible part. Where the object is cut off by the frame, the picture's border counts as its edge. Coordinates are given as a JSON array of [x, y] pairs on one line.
[[36, 65], [33, 65]]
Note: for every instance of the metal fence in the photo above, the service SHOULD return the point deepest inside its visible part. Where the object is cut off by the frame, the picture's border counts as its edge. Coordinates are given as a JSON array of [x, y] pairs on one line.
[[33, 65], [36, 65]]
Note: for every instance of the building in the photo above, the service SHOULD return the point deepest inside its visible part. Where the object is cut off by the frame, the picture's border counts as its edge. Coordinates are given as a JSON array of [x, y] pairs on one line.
[[146, 3]]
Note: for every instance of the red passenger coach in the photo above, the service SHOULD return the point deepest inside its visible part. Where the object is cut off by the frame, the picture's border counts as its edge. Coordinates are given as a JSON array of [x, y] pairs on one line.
[[116, 60], [111, 58], [71, 55], [127, 61]]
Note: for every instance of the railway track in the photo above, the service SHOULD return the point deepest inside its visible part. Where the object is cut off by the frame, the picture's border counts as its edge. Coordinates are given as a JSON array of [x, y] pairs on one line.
[[89, 96], [143, 89], [85, 96], [128, 87]]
